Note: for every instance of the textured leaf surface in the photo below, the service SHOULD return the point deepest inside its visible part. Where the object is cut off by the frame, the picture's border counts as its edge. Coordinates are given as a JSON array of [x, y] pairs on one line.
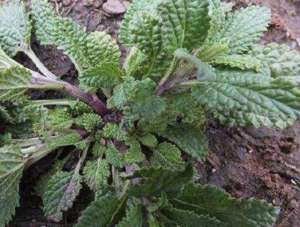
[[134, 218], [243, 62], [280, 59], [168, 156], [137, 99], [134, 153], [14, 81], [158, 180], [62, 190], [91, 53], [208, 200], [95, 174], [255, 99], [15, 27], [158, 28], [11, 170], [101, 212], [242, 28], [191, 140], [186, 218], [114, 156]]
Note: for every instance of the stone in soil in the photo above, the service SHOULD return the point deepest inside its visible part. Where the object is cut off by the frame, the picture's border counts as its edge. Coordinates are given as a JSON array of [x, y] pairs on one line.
[[114, 7]]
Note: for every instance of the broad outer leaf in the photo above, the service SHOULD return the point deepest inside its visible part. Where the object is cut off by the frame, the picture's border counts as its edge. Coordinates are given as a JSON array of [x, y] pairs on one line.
[[62, 190], [167, 156], [95, 55], [95, 173], [244, 62], [241, 98], [11, 169], [101, 212], [280, 59], [134, 218], [158, 28], [159, 180], [187, 218], [243, 28], [191, 140], [208, 200], [15, 27], [14, 81]]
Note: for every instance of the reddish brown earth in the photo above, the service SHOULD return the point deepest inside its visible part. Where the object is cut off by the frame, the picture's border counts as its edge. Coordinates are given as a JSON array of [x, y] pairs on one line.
[[260, 163]]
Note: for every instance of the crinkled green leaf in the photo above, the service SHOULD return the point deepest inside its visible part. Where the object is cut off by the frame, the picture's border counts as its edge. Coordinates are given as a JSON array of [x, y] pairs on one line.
[[184, 107], [114, 131], [134, 153], [96, 173], [280, 59], [134, 217], [62, 190], [148, 140], [89, 121], [244, 98], [187, 218], [243, 62], [208, 200], [11, 169], [101, 212], [42, 183], [167, 156], [188, 138], [14, 82], [114, 156], [243, 28], [158, 28], [134, 63], [91, 53], [158, 180], [138, 100], [15, 27], [4, 115]]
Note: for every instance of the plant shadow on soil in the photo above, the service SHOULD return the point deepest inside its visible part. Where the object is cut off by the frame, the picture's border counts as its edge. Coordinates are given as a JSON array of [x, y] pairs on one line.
[[249, 162]]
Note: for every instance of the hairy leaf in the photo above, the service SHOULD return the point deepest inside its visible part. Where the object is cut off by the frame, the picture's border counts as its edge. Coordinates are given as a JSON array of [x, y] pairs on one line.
[[242, 28], [15, 27], [158, 28], [14, 81], [148, 140], [244, 98], [62, 190], [101, 212], [134, 218], [134, 153], [168, 156], [114, 156], [191, 140], [243, 62], [11, 169], [158, 180], [208, 200], [114, 131], [137, 99], [96, 173], [186, 218], [91, 53], [280, 59]]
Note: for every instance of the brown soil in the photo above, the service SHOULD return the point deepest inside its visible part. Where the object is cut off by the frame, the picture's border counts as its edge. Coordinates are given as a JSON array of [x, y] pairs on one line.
[[260, 163]]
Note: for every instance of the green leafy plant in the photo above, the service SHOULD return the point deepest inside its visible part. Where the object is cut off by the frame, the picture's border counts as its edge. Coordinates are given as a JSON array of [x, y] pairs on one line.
[[128, 125]]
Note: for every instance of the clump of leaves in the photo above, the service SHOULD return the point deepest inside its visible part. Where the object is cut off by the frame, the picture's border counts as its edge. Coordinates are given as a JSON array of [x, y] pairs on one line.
[[127, 125]]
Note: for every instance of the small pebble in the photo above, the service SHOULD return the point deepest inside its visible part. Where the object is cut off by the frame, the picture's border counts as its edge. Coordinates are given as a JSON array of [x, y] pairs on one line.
[[66, 3], [114, 7]]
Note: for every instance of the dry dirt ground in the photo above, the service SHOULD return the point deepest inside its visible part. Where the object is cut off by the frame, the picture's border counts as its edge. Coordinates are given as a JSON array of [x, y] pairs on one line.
[[245, 162]]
